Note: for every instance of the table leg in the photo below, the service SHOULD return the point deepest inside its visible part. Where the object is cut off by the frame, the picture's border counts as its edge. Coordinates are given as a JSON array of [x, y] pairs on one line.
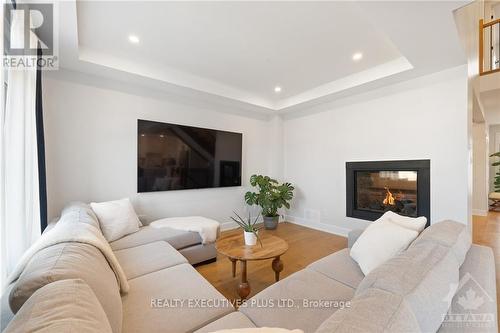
[[233, 262], [277, 267], [244, 286]]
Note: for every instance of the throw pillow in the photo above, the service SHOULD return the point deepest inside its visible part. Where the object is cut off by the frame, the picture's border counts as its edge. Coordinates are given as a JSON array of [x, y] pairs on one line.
[[259, 330], [379, 243], [116, 218], [413, 223]]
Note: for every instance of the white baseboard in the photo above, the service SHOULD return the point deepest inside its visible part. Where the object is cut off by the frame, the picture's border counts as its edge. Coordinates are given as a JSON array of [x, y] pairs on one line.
[[330, 228], [228, 226], [479, 212]]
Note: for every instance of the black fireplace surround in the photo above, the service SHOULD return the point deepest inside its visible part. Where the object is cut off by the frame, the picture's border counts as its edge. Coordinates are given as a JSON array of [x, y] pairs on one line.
[[375, 187]]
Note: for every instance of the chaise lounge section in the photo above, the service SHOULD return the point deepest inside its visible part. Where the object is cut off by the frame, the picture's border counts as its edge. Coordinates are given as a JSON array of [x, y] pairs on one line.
[[188, 243]]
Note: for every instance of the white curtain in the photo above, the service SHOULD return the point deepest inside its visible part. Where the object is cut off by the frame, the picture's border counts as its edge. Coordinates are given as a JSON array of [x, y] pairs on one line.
[[19, 188]]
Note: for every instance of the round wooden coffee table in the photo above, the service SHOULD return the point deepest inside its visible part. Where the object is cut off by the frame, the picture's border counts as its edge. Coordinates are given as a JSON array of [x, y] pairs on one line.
[[235, 249]]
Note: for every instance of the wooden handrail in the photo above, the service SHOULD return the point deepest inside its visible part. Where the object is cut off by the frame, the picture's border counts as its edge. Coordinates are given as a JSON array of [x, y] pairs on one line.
[[481, 46], [483, 26], [489, 24], [491, 71]]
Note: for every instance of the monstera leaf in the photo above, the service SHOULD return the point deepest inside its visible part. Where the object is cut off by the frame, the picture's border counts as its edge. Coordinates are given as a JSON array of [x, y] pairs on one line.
[[271, 195], [497, 176]]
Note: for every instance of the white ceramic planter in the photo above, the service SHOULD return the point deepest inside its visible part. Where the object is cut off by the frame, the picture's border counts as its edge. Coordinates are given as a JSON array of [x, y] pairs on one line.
[[250, 238]]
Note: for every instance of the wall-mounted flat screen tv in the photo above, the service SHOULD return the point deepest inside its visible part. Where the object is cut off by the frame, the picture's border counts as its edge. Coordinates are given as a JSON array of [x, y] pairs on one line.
[[177, 157]]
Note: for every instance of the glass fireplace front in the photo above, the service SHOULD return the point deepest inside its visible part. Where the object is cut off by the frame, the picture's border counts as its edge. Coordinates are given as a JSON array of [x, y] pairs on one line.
[[381, 191]]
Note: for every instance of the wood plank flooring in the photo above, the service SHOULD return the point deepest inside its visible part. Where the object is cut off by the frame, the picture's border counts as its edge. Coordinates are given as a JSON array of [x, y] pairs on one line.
[[305, 246], [486, 231]]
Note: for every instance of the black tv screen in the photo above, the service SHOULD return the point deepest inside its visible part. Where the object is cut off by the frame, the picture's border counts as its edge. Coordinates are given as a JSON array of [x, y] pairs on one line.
[[177, 157]]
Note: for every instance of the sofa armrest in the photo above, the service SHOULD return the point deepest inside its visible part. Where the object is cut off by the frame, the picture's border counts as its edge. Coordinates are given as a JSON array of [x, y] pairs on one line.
[[353, 236]]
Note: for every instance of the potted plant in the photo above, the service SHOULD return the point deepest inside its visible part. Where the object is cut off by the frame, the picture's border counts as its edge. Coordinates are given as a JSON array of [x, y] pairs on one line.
[[250, 229], [497, 174], [270, 196]]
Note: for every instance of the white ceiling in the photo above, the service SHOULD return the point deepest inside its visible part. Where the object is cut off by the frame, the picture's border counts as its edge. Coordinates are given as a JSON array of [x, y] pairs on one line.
[[239, 51]]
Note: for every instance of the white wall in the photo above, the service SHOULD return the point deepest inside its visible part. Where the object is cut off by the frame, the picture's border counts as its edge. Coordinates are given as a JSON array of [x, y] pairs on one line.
[[480, 184], [91, 147], [466, 18], [275, 144], [426, 118], [493, 116], [91, 142]]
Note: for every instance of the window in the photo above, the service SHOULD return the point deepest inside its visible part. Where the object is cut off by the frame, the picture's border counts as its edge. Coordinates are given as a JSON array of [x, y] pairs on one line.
[[6, 35]]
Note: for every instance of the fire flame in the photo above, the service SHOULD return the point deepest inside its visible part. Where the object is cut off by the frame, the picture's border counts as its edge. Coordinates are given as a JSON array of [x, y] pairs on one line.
[[389, 198]]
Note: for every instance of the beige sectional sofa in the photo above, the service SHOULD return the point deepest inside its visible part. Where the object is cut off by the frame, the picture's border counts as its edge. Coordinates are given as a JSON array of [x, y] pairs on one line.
[[411, 292]]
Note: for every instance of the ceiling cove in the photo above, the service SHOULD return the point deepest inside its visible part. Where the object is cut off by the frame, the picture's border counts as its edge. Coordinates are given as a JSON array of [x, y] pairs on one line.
[[267, 56]]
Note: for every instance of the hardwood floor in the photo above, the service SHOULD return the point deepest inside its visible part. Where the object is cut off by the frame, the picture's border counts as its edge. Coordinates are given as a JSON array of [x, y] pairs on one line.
[[486, 231], [305, 246]]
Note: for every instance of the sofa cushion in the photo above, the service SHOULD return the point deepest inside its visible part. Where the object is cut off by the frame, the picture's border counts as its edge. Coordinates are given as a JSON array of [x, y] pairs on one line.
[[413, 223], [199, 253], [230, 321], [477, 274], [79, 212], [117, 218], [177, 238], [341, 267], [374, 311], [258, 330], [424, 276], [434, 244], [176, 299], [148, 258], [6, 313], [379, 242], [71, 261], [353, 236], [60, 307], [315, 297], [450, 234]]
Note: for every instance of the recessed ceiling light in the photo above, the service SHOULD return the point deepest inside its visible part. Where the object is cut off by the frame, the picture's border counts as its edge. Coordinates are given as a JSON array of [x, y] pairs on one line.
[[357, 56], [277, 89], [133, 39]]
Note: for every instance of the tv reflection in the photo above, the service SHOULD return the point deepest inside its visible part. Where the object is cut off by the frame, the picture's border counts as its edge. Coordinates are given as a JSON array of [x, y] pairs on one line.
[[175, 157]]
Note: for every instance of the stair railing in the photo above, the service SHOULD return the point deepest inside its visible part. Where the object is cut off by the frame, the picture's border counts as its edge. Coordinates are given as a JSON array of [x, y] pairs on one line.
[[489, 47]]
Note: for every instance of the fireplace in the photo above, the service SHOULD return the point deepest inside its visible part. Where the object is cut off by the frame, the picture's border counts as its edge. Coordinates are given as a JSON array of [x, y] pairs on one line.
[[374, 188]]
